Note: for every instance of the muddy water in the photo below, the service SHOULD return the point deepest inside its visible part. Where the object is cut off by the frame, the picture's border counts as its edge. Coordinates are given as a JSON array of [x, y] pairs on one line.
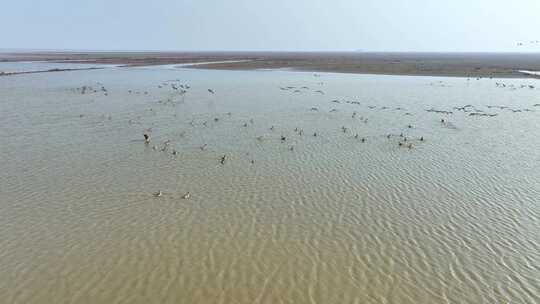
[[329, 218]]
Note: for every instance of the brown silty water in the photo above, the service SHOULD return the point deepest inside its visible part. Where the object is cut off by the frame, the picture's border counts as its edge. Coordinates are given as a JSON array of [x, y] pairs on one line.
[[332, 218]]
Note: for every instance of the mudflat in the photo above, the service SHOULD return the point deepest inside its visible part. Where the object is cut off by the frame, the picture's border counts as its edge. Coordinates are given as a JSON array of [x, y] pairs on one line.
[[499, 65]]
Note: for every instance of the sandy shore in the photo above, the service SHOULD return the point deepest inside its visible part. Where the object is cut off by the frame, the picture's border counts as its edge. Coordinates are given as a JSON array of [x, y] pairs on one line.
[[507, 65]]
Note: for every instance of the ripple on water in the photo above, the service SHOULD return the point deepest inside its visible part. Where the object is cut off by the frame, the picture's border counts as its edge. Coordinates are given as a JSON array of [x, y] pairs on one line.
[[336, 220]]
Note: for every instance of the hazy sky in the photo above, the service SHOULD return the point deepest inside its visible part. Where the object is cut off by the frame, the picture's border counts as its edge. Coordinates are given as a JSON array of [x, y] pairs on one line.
[[315, 25]]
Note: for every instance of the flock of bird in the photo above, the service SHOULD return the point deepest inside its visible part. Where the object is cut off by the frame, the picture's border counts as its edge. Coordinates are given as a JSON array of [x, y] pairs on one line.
[[530, 42], [99, 88], [404, 141], [514, 87]]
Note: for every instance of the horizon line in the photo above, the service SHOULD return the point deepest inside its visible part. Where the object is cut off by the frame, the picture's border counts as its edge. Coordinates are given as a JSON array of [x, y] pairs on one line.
[[47, 50]]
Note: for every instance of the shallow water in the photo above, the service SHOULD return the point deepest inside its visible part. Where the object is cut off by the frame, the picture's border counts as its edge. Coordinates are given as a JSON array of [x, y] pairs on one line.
[[336, 220]]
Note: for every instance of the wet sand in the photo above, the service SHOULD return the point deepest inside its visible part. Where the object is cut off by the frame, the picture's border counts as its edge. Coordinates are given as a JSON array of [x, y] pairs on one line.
[[507, 65]]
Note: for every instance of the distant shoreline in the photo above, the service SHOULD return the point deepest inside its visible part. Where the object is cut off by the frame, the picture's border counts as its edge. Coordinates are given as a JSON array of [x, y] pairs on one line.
[[473, 65], [48, 71]]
